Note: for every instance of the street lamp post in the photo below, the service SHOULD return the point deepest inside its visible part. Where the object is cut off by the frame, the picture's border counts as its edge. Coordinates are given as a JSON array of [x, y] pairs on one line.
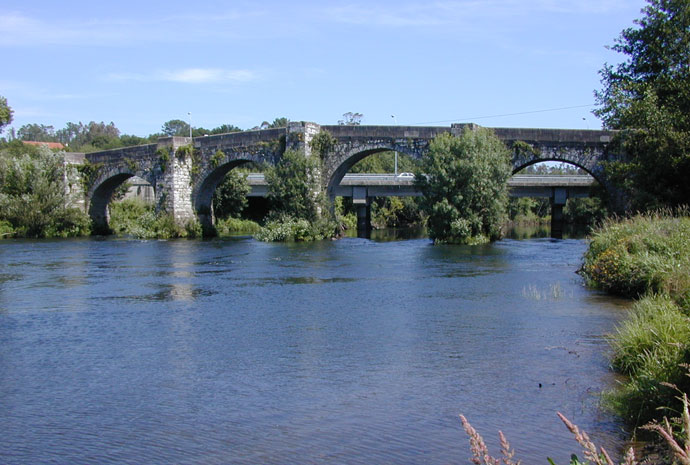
[[189, 113], [396, 152]]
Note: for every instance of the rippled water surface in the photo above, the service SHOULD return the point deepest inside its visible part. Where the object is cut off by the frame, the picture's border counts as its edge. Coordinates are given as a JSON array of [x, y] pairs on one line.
[[345, 352]]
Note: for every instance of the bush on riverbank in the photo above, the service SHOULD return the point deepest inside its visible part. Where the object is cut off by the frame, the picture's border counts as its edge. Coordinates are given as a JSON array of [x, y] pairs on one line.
[[290, 229], [646, 253], [230, 225], [33, 198], [647, 256], [135, 218]]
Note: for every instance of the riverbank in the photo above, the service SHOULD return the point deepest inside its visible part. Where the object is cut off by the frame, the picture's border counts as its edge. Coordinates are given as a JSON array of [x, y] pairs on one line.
[[647, 258]]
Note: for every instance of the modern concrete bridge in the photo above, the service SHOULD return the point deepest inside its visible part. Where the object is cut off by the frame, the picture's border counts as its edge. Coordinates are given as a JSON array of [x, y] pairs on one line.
[[365, 186], [184, 172]]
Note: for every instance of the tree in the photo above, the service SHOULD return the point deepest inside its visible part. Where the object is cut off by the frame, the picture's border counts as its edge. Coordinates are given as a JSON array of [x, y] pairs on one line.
[[90, 137], [230, 198], [33, 197], [351, 119], [175, 127], [464, 185], [648, 98], [5, 113], [37, 132], [281, 122], [292, 186]]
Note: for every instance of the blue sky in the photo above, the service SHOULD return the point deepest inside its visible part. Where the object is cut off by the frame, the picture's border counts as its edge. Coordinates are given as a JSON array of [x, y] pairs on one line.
[[139, 64]]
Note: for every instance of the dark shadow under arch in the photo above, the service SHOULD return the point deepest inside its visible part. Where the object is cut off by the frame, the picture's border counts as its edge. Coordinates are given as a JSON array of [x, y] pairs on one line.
[[203, 201], [98, 206]]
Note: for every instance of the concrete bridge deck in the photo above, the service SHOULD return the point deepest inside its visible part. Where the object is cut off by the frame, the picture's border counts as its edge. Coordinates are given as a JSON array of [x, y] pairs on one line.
[[390, 185]]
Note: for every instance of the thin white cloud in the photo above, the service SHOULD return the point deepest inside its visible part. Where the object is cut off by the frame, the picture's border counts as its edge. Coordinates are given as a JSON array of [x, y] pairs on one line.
[[191, 76], [207, 75], [432, 14], [19, 29]]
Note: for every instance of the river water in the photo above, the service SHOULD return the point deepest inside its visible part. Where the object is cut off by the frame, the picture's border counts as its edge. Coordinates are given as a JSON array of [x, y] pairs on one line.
[[345, 352]]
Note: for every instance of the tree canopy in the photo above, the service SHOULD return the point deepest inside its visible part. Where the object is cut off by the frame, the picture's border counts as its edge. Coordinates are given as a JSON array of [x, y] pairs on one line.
[[647, 96], [464, 182], [5, 113], [292, 186]]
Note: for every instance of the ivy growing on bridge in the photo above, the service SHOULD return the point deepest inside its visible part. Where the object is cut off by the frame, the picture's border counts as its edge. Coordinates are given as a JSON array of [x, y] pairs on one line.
[[322, 143], [88, 173]]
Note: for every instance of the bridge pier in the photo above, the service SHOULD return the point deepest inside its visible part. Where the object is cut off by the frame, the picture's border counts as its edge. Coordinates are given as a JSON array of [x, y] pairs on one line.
[[558, 199], [364, 221], [174, 188], [362, 203]]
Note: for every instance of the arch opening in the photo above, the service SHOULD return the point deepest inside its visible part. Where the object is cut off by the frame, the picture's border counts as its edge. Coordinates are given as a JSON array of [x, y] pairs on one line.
[[385, 196], [227, 192], [385, 161], [100, 200], [554, 197]]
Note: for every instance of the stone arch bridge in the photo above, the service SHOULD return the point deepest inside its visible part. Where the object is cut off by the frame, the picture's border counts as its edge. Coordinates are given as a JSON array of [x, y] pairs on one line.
[[184, 179]]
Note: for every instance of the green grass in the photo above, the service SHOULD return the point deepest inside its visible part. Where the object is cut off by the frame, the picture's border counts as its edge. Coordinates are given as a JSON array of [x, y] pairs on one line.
[[230, 226], [647, 257], [646, 253], [137, 219], [289, 229]]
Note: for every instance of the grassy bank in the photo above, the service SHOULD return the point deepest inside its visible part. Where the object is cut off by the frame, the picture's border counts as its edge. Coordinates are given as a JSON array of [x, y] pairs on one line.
[[135, 218], [232, 226], [647, 257]]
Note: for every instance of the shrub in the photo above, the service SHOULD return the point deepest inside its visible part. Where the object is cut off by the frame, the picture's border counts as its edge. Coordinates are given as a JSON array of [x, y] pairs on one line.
[[227, 226], [33, 198], [464, 183], [132, 217], [289, 229], [646, 253]]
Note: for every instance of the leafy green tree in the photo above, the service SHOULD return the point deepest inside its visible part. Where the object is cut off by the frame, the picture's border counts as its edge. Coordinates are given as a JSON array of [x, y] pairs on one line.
[[6, 113], [293, 186], [33, 198], [175, 127], [89, 137], [225, 129], [464, 183], [279, 123], [351, 119], [128, 140], [230, 198], [384, 162], [37, 132], [648, 98]]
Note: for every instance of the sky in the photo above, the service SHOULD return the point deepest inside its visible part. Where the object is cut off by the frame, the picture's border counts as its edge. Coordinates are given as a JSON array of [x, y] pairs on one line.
[[497, 63]]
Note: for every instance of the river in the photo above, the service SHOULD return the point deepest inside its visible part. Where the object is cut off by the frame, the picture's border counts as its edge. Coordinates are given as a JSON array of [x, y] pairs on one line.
[[344, 352]]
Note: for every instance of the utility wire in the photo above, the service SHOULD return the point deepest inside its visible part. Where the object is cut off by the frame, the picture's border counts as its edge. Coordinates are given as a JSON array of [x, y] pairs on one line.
[[506, 114]]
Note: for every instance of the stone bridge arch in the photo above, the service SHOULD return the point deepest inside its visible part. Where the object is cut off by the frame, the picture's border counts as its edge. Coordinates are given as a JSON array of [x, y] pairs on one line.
[[347, 154], [591, 159], [107, 180], [214, 168]]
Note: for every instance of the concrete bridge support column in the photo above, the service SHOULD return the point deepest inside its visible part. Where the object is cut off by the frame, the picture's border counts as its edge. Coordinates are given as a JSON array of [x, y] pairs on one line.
[[364, 221], [363, 204], [174, 189], [558, 200]]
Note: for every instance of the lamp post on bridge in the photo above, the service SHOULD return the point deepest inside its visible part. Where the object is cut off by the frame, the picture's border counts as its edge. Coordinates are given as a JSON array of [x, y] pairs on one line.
[[189, 113], [395, 122]]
